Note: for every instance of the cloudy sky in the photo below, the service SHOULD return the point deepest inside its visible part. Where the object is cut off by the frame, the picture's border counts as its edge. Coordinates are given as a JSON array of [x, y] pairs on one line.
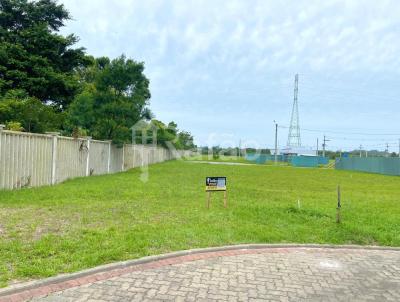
[[224, 70]]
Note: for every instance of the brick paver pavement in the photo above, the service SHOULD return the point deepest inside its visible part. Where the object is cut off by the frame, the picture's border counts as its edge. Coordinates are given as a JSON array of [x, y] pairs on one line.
[[290, 274]]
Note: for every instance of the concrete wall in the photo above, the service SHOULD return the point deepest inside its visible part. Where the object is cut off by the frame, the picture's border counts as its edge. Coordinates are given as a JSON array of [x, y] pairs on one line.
[[31, 160]]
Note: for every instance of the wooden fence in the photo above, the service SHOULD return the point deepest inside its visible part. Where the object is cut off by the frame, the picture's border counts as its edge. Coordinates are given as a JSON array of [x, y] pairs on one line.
[[31, 160]]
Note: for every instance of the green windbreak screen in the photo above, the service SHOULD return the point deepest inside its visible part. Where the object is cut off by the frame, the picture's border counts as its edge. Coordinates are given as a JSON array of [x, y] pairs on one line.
[[381, 165], [304, 161], [296, 161]]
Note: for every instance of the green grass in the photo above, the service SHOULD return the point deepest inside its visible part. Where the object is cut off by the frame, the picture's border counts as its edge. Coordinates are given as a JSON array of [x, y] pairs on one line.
[[91, 221]]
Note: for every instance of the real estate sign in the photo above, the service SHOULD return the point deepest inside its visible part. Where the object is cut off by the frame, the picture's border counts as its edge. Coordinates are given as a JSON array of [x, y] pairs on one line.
[[215, 183]]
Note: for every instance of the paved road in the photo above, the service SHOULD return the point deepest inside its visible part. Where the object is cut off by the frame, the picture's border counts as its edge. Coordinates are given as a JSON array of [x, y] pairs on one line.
[[286, 274]]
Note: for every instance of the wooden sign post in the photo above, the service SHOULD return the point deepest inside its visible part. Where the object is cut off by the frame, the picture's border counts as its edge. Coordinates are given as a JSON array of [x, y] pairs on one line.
[[339, 205], [215, 184]]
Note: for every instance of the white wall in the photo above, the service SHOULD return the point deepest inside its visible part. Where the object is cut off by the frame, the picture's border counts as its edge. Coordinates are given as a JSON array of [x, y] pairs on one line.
[[30, 160]]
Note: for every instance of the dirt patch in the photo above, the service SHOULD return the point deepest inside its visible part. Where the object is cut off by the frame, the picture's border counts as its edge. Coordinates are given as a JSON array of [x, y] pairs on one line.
[[32, 223]]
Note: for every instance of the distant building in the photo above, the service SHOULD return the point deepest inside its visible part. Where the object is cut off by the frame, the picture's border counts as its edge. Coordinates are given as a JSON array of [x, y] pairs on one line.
[[297, 151]]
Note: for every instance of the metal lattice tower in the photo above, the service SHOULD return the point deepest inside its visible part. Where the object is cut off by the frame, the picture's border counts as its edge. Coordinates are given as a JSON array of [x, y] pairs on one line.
[[294, 130]]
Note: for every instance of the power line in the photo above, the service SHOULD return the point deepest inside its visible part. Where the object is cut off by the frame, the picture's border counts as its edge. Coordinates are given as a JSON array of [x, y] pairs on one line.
[[340, 132]]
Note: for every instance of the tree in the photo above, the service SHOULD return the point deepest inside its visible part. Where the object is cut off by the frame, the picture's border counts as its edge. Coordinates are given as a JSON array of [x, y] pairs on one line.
[[185, 140], [115, 101], [33, 56], [167, 136], [17, 108], [47, 84]]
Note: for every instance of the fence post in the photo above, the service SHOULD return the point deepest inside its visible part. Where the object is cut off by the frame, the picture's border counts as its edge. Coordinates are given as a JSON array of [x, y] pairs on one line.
[[2, 126], [133, 155], [339, 205], [88, 156], [1, 130], [54, 157], [142, 155], [123, 157], [109, 158]]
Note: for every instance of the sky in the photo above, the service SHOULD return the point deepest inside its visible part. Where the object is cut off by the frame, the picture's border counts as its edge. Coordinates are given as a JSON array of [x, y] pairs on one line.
[[224, 70]]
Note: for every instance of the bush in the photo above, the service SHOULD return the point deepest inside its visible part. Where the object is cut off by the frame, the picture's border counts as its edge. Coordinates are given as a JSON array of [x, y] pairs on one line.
[[14, 126]]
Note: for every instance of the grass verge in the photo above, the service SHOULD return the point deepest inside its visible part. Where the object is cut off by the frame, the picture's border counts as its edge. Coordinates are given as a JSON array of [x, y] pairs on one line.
[[91, 221]]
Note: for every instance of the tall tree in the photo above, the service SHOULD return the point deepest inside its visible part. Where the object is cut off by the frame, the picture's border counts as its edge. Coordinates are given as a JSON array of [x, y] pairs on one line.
[[115, 101], [34, 57]]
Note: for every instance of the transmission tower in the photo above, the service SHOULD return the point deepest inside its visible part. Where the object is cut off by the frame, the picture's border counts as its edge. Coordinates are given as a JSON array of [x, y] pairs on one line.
[[294, 130]]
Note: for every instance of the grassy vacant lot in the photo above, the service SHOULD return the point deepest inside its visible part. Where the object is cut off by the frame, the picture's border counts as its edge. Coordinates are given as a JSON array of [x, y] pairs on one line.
[[90, 221]]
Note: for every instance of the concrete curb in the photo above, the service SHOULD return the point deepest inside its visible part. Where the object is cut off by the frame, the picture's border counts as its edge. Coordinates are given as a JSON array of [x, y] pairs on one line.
[[18, 288]]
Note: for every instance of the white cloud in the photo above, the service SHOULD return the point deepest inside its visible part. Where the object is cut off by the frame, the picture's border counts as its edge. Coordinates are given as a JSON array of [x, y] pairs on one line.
[[303, 30], [197, 50]]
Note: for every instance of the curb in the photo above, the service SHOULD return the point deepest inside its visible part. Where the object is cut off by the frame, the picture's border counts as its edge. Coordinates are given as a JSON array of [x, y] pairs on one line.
[[32, 285]]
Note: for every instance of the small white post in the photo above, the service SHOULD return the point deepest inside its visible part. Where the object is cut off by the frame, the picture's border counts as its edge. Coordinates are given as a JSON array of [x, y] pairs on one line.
[[88, 156], [54, 157], [109, 158]]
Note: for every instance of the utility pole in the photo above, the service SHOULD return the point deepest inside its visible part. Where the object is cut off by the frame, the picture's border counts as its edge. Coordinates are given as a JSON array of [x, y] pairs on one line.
[[387, 150], [360, 150], [240, 147], [399, 147], [317, 146], [276, 142], [324, 145]]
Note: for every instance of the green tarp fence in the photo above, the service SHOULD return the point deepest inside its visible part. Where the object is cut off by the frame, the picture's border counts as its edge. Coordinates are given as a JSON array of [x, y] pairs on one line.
[[263, 158], [381, 165], [308, 161], [323, 160], [304, 161], [296, 161]]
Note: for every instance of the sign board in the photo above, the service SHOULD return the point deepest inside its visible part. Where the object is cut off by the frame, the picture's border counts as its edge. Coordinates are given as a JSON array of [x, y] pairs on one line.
[[215, 184]]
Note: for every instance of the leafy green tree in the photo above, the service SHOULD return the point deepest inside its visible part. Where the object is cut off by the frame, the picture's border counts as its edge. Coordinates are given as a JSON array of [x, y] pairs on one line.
[[34, 57], [115, 101], [169, 135], [47, 84], [165, 135], [185, 140], [30, 113]]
